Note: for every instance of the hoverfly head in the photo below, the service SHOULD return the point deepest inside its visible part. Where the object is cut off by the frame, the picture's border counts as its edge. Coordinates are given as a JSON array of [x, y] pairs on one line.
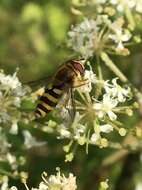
[[78, 66]]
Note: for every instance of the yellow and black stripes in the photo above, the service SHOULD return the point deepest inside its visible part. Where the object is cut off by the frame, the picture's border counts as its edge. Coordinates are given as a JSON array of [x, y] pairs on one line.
[[48, 101]]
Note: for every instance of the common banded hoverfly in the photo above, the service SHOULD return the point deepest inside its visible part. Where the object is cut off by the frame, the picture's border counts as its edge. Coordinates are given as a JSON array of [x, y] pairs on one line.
[[69, 75]]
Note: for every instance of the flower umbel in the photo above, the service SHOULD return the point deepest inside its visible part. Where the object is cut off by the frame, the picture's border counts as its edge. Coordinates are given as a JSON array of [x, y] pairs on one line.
[[11, 94], [55, 182], [91, 37], [94, 118]]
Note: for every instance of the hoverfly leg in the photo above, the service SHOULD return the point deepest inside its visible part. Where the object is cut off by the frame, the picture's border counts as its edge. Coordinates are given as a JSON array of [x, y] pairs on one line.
[[72, 104], [80, 83]]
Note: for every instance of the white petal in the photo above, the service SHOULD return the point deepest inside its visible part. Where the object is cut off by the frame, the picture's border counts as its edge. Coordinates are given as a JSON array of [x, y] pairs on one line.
[[64, 133], [106, 128], [97, 106], [112, 115], [100, 114], [139, 186], [120, 46], [121, 98], [95, 137]]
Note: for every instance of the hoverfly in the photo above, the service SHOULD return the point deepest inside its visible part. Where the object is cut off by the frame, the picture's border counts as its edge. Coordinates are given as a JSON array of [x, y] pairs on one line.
[[69, 75]]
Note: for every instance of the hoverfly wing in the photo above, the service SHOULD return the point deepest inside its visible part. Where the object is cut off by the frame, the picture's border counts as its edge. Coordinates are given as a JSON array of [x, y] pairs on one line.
[[68, 101], [73, 105], [65, 105], [45, 82]]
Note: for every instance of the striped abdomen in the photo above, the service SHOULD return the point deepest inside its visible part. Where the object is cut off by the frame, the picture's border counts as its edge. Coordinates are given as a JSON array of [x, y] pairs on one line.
[[48, 101]]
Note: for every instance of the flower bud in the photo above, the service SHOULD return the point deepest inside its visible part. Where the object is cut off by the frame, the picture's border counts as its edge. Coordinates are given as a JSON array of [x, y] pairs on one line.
[[122, 132]]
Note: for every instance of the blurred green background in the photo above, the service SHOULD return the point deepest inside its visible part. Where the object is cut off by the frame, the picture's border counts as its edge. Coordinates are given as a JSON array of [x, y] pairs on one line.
[[32, 38]]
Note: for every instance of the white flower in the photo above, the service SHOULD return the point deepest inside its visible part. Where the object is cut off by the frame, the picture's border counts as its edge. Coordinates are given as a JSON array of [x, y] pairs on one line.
[[89, 37], [30, 141], [4, 117], [9, 81], [106, 128], [53, 182], [17, 101], [139, 6], [69, 183], [13, 188], [90, 75], [106, 107], [64, 132], [125, 3], [119, 36], [58, 182], [4, 185], [12, 84], [11, 94], [14, 128], [94, 138], [80, 128], [12, 161], [104, 184], [11, 158], [43, 186], [116, 91], [79, 131], [82, 37], [90, 78], [121, 5], [139, 186]]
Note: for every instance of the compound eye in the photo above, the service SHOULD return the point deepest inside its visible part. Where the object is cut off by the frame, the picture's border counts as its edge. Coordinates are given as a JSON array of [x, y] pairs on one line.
[[78, 66]]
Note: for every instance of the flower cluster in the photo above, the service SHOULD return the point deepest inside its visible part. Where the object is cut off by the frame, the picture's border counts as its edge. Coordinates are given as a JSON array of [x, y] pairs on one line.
[[5, 154], [82, 37], [94, 36], [11, 94], [95, 112], [101, 102], [121, 5], [54, 182], [95, 116], [113, 6]]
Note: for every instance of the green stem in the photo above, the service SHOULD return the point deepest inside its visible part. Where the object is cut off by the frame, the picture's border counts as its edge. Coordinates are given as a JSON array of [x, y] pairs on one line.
[[87, 143], [113, 67], [6, 173], [99, 69], [100, 76], [130, 17]]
